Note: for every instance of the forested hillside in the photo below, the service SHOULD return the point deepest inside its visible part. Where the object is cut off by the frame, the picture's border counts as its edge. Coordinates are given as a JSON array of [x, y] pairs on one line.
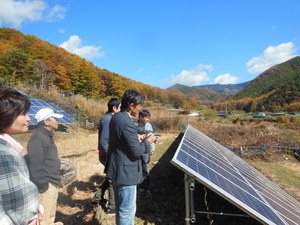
[[278, 88], [284, 78], [32, 61]]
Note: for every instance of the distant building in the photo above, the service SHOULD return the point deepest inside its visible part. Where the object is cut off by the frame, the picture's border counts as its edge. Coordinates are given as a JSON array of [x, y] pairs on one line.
[[260, 115], [279, 114], [195, 114], [176, 111], [224, 113]]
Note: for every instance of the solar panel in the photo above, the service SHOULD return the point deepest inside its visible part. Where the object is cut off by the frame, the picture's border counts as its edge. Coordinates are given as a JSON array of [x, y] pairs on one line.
[[227, 174], [37, 104]]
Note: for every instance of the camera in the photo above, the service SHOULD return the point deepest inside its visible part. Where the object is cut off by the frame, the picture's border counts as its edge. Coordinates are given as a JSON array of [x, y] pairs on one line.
[[156, 138]]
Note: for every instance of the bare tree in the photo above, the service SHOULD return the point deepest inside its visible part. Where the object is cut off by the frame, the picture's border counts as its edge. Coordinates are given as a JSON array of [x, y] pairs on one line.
[[44, 72]]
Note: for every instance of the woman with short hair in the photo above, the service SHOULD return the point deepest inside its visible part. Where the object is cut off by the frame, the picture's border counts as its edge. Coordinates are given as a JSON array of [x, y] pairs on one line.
[[19, 203]]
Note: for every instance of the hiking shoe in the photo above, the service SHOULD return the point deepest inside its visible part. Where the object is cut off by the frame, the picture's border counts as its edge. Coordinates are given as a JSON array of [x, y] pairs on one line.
[[98, 202], [95, 202], [103, 202], [111, 212]]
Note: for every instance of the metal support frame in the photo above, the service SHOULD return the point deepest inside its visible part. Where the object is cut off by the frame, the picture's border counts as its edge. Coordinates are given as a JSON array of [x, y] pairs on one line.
[[190, 213], [221, 214], [187, 199]]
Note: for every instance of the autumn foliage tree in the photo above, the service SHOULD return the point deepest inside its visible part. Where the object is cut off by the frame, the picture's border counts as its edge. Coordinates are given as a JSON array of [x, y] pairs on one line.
[[28, 59]]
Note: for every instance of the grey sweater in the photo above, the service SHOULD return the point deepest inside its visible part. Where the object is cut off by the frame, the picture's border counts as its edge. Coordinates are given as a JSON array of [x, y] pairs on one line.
[[43, 161]]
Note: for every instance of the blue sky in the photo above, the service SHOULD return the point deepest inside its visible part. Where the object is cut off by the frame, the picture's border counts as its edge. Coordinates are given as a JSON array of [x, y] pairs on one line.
[[163, 42]]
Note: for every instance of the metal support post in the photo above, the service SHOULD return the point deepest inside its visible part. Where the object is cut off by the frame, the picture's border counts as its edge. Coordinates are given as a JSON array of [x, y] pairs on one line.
[[187, 199]]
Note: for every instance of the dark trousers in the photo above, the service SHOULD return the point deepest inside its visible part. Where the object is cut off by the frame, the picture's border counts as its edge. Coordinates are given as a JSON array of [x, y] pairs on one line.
[[146, 174], [106, 185]]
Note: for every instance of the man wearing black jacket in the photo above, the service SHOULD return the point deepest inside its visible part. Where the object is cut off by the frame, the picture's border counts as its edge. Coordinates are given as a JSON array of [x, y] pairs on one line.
[[44, 164]]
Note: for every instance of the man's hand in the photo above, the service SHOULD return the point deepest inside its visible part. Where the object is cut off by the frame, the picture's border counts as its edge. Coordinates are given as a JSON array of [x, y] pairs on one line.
[[151, 152], [150, 138]]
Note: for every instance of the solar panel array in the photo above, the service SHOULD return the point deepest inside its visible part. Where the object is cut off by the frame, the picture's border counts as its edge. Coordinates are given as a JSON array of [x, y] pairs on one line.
[[227, 174], [37, 104]]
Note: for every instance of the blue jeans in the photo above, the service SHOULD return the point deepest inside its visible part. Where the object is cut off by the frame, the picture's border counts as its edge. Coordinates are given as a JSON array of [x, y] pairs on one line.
[[125, 199]]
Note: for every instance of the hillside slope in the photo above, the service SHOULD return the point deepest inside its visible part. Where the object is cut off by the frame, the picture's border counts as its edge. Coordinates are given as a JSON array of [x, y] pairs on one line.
[[283, 80], [198, 93], [29, 60]]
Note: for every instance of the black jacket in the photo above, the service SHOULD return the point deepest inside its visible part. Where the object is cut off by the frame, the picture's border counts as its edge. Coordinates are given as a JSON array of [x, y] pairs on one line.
[[42, 158]]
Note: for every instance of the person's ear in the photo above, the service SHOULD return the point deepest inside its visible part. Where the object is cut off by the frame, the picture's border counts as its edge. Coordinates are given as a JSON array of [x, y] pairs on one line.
[[132, 106], [46, 123]]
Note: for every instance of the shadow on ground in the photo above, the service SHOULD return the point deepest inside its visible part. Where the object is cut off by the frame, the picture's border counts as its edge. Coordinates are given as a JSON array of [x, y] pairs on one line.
[[166, 205], [82, 204]]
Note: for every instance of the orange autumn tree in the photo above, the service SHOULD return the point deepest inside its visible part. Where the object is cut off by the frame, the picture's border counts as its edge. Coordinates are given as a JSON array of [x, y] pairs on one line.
[[28, 59]]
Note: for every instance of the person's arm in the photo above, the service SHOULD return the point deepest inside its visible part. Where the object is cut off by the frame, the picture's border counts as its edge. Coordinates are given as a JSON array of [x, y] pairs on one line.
[[4, 218], [134, 146], [99, 134], [36, 151], [142, 130], [17, 193], [149, 127], [104, 135], [7, 180]]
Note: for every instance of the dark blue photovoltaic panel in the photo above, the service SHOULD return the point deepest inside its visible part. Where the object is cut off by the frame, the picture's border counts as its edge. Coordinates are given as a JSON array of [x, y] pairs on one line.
[[57, 109], [232, 178], [37, 104]]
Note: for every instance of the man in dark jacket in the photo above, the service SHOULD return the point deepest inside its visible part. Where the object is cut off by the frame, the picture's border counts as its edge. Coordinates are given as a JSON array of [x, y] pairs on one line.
[[125, 149], [44, 164], [113, 106]]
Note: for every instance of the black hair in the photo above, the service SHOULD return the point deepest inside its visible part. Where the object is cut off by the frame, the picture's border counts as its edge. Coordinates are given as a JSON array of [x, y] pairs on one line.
[[111, 103], [41, 123], [131, 97], [12, 104], [144, 113]]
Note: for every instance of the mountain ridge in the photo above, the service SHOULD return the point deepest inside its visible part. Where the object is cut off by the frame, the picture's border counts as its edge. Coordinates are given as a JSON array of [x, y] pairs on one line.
[[225, 89], [198, 93]]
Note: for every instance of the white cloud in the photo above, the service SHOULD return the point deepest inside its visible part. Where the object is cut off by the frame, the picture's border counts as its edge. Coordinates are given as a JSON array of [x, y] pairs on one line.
[[57, 13], [271, 56], [140, 70], [191, 77], [16, 12], [73, 45], [61, 30], [226, 78]]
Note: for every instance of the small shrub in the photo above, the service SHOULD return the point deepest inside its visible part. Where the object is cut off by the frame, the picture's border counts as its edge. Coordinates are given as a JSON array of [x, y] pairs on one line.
[[168, 123]]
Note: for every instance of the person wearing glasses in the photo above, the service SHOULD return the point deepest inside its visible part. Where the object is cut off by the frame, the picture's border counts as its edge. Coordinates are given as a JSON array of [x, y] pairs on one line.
[[44, 164]]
